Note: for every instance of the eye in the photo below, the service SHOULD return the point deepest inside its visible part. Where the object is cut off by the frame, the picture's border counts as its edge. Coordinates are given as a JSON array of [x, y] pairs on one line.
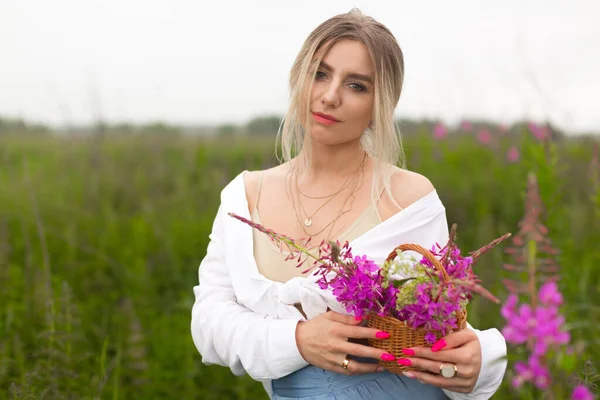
[[358, 87], [320, 75]]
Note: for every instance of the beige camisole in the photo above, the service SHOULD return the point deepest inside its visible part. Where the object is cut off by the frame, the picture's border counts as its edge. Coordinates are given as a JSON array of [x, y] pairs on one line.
[[271, 260]]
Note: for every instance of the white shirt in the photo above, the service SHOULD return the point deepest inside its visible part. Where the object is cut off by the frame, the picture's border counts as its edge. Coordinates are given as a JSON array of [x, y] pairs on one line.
[[246, 322]]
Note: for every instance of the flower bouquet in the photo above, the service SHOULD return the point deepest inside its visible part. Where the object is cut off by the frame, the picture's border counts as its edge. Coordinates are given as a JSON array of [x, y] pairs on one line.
[[416, 295]]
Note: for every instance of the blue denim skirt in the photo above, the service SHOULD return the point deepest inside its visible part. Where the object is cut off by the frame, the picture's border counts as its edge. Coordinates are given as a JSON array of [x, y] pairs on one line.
[[312, 383]]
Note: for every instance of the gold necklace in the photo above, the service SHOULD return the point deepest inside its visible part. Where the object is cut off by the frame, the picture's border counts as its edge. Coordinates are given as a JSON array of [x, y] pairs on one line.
[[342, 212], [329, 195], [351, 204], [324, 197], [325, 227], [351, 196], [308, 221]]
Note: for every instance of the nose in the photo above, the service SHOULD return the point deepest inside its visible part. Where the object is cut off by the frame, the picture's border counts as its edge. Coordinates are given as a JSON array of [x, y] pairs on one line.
[[330, 96]]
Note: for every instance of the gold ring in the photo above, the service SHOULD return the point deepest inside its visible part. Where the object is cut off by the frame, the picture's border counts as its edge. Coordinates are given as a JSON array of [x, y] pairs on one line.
[[345, 363], [448, 370]]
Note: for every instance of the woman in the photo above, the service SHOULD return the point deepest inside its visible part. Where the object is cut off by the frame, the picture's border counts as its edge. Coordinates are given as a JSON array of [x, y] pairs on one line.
[[256, 312]]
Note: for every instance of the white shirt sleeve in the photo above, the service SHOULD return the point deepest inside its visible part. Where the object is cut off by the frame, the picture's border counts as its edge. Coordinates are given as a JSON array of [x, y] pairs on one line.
[[493, 349], [229, 334]]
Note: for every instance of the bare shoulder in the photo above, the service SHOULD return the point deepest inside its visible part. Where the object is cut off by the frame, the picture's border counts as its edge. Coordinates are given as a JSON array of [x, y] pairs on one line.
[[407, 187]]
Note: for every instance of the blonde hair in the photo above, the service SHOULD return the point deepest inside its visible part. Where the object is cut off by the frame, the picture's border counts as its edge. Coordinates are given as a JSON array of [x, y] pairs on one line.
[[382, 139]]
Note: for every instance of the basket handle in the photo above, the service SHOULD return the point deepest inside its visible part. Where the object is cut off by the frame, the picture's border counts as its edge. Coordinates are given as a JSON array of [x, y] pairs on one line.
[[431, 258]]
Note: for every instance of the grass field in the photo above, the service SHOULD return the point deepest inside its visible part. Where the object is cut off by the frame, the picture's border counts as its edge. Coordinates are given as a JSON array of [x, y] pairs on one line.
[[101, 237]]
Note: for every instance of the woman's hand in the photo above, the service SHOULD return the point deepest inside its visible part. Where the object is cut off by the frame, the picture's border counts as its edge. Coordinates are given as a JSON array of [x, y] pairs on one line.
[[460, 348], [323, 342]]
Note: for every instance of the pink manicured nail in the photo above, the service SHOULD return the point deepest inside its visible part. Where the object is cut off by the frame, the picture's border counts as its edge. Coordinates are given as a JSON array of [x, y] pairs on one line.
[[380, 369], [408, 374], [440, 344], [387, 357], [405, 361], [382, 335], [408, 352], [357, 318]]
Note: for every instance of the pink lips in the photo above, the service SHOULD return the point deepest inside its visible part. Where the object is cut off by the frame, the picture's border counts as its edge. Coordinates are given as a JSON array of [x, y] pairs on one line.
[[324, 119]]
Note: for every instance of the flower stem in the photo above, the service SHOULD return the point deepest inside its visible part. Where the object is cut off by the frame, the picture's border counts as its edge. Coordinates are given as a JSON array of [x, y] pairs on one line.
[[531, 267], [531, 264], [276, 236]]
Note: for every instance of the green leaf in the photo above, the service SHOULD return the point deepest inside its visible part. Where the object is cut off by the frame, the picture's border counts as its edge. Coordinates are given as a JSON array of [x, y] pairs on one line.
[[401, 282]]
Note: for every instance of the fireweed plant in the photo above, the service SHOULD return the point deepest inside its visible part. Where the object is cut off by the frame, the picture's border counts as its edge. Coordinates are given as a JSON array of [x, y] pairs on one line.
[[406, 288], [536, 327]]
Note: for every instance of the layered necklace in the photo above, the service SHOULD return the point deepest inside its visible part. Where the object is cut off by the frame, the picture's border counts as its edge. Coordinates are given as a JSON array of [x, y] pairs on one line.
[[307, 220]]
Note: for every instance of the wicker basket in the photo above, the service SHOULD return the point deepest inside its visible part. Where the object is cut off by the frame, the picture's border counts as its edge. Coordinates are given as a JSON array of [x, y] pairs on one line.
[[403, 336]]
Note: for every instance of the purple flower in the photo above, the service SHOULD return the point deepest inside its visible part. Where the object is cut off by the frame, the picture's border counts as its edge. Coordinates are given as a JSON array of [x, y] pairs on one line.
[[540, 132], [440, 131], [365, 265], [513, 154], [549, 295], [581, 392], [357, 292], [433, 314], [357, 284], [533, 371], [457, 267], [510, 306], [430, 337], [466, 126], [484, 136], [389, 300], [541, 326]]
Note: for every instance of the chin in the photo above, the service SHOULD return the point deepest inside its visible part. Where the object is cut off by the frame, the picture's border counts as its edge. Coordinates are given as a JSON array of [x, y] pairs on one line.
[[328, 137], [325, 136]]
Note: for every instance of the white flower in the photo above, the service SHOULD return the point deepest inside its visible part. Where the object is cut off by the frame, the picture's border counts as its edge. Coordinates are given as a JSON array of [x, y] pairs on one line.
[[405, 266]]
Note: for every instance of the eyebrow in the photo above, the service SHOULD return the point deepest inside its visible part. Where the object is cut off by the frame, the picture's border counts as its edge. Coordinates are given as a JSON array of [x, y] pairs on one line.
[[361, 77]]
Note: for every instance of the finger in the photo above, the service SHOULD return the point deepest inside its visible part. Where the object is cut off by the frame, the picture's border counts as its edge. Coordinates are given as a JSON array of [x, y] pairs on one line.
[[360, 350], [442, 349], [454, 340], [343, 319], [355, 368], [454, 356], [362, 332], [422, 364], [462, 370], [458, 384]]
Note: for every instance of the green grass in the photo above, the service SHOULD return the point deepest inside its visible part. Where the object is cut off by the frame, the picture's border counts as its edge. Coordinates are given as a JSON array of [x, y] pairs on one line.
[[100, 241]]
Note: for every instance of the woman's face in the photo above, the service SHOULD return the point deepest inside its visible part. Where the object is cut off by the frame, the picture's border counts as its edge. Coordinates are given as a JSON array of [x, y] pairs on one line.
[[341, 101]]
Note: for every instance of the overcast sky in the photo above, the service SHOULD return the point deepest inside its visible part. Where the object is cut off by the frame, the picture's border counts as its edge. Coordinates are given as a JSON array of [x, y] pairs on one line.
[[197, 61]]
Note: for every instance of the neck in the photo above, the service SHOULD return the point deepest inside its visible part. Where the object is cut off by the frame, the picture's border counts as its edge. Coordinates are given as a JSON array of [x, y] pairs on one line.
[[332, 163]]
